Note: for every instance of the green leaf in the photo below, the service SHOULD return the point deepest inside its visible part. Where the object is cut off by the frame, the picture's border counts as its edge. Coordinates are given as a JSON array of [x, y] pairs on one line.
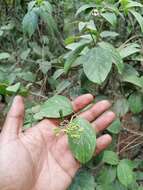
[[50, 22], [104, 174], [118, 186], [45, 66], [62, 86], [105, 187], [30, 22], [4, 55], [138, 17], [27, 76], [115, 127], [121, 107], [129, 49], [125, 173], [58, 73], [83, 181], [1, 33], [110, 157], [110, 17], [106, 34], [133, 79], [140, 188], [97, 64], [131, 75], [14, 88], [136, 102], [52, 107], [139, 176], [117, 59], [83, 148], [133, 4], [47, 6], [84, 8], [25, 54], [73, 56]]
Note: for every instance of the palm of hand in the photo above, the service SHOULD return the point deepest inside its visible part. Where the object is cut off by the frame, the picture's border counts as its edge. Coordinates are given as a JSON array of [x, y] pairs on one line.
[[36, 159]]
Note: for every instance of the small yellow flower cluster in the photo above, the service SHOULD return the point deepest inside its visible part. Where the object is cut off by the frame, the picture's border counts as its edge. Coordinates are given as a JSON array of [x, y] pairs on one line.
[[71, 129]]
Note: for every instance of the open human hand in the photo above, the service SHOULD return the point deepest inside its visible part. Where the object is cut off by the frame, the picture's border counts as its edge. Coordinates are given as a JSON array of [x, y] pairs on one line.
[[38, 160]]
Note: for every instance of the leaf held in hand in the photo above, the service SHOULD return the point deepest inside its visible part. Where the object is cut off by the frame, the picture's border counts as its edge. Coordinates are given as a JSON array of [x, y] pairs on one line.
[[83, 147]]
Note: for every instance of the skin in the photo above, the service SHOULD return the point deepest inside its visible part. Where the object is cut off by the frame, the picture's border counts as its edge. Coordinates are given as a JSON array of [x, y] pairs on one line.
[[36, 159]]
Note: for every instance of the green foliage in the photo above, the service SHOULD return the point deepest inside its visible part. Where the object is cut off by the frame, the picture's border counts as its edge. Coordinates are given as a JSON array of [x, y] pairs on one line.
[[110, 157], [52, 107], [125, 173], [83, 181], [71, 47], [115, 127]]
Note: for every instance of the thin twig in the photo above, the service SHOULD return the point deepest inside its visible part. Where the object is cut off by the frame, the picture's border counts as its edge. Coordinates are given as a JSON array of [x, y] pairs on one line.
[[124, 149]]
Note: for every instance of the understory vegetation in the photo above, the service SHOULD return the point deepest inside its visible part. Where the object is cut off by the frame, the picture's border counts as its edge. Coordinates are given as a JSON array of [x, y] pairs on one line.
[[72, 47]]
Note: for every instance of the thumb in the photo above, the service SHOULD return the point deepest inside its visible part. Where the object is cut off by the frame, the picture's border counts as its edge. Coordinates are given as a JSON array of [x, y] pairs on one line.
[[14, 119]]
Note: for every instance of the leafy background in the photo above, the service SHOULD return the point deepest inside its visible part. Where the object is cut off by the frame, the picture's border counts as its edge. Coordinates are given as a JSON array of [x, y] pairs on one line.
[[72, 47]]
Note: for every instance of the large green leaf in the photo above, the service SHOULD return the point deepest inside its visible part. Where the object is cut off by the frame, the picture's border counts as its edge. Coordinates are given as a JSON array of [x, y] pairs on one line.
[[136, 102], [125, 173], [104, 174], [83, 148], [52, 107], [110, 157], [117, 59], [30, 22], [83, 181], [97, 64]]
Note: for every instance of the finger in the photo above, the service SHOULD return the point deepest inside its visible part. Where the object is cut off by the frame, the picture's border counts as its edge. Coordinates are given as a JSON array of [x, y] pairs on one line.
[[103, 121], [81, 102], [14, 119], [102, 143], [96, 110]]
